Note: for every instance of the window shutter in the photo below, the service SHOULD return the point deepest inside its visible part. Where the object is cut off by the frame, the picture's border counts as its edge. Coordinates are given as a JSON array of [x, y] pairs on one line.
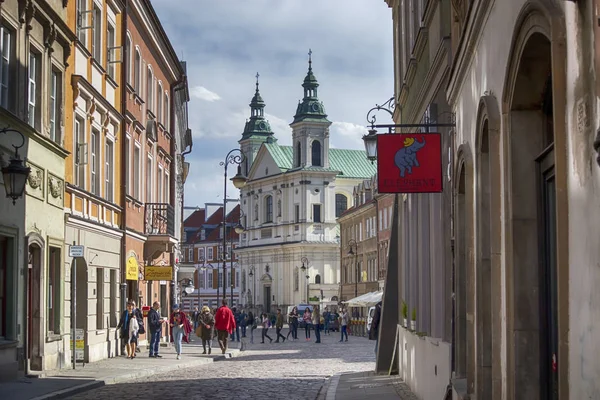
[[216, 279]]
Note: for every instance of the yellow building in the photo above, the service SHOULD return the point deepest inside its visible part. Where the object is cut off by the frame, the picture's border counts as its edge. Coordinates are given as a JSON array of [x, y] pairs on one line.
[[93, 203]]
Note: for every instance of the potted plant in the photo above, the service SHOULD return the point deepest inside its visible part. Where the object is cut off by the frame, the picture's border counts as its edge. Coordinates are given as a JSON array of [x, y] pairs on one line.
[[413, 322], [405, 314]]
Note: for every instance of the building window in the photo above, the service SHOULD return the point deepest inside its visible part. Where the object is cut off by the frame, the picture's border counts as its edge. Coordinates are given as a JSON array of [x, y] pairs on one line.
[[136, 171], [128, 165], [209, 254], [317, 279], [54, 105], [114, 314], [385, 218], [341, 204], [159, 189], [108, 170], [137, 71], [150, 90], [220, 282], [97, 35], [317, 213], [201, 254], [80, 153], [167, 112], [296, 213], [256, 211], [110, 51], [99, 298], [82, 21], [53, 289], [95, 163], [34, 77], [149, 180], [190, 254], [6, 51], [159, 104], [201, 279], [298, 154], [279, 208], [269, 209], [167, 187], [316, 154], [129, 55]]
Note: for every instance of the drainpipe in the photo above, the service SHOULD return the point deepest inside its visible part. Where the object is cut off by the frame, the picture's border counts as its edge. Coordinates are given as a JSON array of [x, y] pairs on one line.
[[124, 150]]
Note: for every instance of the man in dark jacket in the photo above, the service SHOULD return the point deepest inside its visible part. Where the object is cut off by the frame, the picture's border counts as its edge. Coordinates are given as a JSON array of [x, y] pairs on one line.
[[374, 332], [155, 326]]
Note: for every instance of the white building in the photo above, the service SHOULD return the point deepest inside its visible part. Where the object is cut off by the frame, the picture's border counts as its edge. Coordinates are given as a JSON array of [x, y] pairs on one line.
[[290, 204]]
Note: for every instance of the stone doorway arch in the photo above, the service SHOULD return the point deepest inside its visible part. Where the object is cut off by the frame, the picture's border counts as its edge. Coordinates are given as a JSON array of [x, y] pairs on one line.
[[534, 109]]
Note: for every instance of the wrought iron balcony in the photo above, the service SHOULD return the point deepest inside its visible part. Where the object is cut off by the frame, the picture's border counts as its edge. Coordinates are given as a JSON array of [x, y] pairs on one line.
[[160, 219]]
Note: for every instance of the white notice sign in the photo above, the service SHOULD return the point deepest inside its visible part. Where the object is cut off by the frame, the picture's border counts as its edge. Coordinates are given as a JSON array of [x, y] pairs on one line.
[[75, 251]]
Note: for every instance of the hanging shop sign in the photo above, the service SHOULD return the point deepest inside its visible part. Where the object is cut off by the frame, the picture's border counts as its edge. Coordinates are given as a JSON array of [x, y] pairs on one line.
[[131, 269], [410, 163], [155, 273]]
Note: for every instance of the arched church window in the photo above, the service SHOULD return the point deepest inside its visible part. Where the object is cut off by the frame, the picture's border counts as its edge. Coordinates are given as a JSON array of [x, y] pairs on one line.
[[269, 209], [317, 279], [298, 154], [341, 204], [316, 154]]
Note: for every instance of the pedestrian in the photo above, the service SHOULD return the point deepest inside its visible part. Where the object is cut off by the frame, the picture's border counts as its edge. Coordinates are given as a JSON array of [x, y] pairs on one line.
[[140, 319], [326, 321], [207, 321], [155, 322], [243, 322], [344, 324], [316, 318], [374, 331], [253, 324], [307, 318], [236, 317], [265, 328], [224, 324], [195, 316], [124, 325], [279, 325], [179, 328], [293, 323]]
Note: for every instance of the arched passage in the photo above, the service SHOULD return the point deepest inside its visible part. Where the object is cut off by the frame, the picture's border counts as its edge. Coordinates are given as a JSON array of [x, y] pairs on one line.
[[488, 258], [532, 276]]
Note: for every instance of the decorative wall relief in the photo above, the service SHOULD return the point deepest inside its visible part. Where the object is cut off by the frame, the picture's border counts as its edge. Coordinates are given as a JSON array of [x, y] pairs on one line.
[[56, 189], [35, 181]]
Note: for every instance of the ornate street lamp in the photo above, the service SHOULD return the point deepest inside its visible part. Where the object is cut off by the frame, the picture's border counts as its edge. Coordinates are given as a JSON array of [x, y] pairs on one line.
[[371, 145], [251, 275], [15, 173], [239, 228], [352, 243], [304, 269], [235, 156]]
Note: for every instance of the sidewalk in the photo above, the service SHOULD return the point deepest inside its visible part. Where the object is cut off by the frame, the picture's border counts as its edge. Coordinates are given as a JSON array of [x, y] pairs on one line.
[[68, 382], [365, 385]]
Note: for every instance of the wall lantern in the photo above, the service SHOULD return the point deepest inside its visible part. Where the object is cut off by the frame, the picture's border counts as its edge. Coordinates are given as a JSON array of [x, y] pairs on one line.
[[371, 145], [15, 173]]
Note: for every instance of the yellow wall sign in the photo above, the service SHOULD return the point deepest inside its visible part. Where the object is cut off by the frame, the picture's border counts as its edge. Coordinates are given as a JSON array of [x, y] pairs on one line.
[[154, 273], [131, 270]]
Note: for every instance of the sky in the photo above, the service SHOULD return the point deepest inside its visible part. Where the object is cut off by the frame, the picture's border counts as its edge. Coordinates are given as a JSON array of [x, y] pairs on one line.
[[226, 42]]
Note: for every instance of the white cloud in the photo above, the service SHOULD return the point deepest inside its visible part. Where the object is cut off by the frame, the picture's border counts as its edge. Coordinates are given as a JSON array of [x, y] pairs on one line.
[[226, 42], [202, 93]]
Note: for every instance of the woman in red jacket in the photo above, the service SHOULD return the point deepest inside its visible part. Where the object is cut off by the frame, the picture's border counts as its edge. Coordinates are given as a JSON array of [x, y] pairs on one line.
[[224, 324]]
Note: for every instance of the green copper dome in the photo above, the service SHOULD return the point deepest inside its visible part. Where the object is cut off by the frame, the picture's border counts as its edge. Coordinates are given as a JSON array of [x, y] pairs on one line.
[[257, 125], [310, 108]]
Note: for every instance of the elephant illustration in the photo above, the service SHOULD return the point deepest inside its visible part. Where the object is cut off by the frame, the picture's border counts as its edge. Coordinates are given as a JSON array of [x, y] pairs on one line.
[[406, 157]]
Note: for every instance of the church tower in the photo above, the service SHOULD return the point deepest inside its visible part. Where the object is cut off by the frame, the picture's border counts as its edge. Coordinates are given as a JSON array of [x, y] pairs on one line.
[[310, 129], [256, 132]]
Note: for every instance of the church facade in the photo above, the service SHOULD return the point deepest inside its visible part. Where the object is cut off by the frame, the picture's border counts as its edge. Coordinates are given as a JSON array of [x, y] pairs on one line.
[[290, 204]]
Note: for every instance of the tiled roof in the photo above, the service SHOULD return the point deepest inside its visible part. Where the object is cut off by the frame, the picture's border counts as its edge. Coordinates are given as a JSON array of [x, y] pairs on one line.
[[195, 219], [216, 217], [350, 163]]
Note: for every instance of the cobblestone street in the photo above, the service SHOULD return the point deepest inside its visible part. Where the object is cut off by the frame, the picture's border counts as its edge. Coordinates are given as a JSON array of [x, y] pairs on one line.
[[290, 370]]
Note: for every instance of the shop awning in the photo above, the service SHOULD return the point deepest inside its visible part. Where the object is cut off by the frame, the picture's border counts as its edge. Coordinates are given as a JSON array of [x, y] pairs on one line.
[[365, 300]]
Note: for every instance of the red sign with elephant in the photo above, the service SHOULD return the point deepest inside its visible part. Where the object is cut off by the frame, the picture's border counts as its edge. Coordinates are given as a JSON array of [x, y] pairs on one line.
[[410, 163]]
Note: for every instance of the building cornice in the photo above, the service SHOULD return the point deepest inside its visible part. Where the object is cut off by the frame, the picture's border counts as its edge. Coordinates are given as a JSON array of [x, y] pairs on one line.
[[80, 82]]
